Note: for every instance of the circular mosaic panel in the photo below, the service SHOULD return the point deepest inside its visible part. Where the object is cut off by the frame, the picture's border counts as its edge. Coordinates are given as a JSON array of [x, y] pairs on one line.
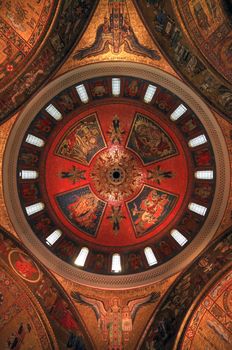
[[116, 182], [115, 174]]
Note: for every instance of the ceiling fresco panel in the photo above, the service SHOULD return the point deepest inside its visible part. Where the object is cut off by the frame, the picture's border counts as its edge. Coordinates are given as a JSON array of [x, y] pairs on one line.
[[35, 38], [36, 309], [196, 38], [204, 299], [210, 323]]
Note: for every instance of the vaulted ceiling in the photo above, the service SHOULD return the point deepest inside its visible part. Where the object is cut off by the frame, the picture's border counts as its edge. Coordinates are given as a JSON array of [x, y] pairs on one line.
[[114, 172]]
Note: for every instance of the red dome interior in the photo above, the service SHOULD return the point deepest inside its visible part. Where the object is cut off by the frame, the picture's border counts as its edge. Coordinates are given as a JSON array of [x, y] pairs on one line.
[[65, 176]]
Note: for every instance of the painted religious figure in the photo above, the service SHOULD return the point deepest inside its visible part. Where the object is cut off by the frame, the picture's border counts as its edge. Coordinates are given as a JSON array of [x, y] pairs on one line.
[[115, 131], [116, 216], [115, 321], [82, 141], [116, 33], [149, 141], [82, 208], [133, 87], [149, 209]]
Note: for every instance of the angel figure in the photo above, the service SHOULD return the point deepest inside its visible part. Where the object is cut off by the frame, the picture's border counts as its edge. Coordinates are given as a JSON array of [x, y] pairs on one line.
[[116, 321]]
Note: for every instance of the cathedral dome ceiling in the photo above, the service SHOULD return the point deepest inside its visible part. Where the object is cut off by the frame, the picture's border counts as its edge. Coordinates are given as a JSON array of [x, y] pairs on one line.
[[116, 175], [116, 167]]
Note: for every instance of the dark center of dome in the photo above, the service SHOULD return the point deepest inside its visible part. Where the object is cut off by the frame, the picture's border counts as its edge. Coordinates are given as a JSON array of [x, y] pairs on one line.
[[116, 174]]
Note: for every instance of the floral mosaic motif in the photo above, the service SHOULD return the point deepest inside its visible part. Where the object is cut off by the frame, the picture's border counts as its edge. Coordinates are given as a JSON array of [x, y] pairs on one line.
[[149, 141], [115, 131], [83, 141], [150, 208], [82, 208], [157, 174], [74, 174], [117, 175]]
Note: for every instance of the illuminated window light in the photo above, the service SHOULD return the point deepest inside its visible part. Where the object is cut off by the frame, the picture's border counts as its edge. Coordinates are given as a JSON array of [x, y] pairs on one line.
[[151, 89], [34, 208], [82, 93], [34, 140], [116, 86], [53, 112], [178, 112], [53, 237], [28, 174], [116, 263], [179, 238], [197, 141], [197, 208], [204, 174], [150, 256], [82, 256]]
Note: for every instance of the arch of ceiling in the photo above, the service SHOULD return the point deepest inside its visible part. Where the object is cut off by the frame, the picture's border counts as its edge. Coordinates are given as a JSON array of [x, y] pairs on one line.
[[205, 285], [197, 39], [44, 310], [33, 50], [222, 179]]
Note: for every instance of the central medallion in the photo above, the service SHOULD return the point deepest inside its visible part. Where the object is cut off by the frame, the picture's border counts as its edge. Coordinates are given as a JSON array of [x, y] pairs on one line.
[[117, 174]]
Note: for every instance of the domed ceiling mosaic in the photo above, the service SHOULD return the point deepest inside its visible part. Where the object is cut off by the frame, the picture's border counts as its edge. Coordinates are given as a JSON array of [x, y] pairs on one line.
[[115, 176], [111, 177]]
